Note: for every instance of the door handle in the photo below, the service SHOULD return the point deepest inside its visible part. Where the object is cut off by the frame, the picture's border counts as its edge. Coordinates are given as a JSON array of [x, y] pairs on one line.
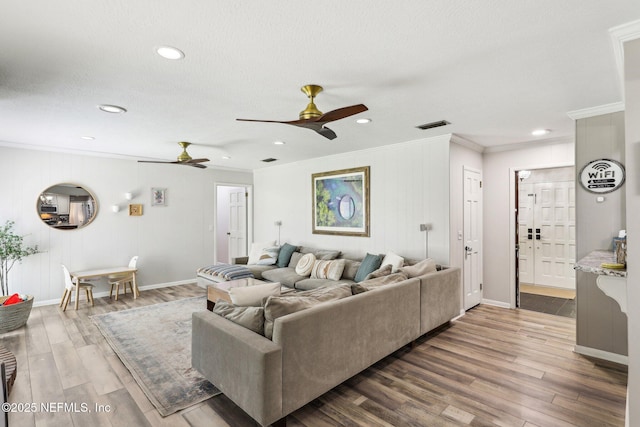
[[228, 233]]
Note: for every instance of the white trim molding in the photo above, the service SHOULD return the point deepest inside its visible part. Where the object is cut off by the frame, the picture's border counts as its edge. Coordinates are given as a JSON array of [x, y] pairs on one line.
[[601, 354], [467, 143], [619, 35], [600, 110], [530, 144], [495, 303]]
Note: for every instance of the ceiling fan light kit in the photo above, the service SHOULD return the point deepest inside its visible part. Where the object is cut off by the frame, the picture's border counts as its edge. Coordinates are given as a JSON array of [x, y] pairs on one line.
[[314, 119]]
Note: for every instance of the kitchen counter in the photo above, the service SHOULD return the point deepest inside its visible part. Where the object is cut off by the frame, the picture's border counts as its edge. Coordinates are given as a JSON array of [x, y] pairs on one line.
[[592, 264]]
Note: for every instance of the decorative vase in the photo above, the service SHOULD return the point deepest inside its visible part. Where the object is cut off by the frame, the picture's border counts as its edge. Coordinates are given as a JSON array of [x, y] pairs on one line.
[[14, 316]]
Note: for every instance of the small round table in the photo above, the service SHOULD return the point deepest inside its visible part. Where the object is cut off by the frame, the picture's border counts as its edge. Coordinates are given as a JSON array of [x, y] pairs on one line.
[[10, 366]]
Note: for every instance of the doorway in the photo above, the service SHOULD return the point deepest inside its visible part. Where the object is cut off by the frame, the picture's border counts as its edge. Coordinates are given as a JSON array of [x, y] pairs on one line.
[[545, 240], [232, 222], [472, 235]]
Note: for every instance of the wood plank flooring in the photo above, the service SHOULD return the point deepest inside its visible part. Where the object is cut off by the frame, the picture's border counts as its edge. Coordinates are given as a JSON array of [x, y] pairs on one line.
[[492, 367]]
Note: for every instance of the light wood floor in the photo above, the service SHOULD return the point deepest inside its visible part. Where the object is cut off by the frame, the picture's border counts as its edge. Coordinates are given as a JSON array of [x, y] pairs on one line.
[[493, 367], [547, 291]]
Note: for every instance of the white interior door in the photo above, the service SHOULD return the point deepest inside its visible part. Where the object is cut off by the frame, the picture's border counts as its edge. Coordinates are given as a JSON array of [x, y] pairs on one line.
[[472, 267], [526, 271], [237, 223], [554, 233]]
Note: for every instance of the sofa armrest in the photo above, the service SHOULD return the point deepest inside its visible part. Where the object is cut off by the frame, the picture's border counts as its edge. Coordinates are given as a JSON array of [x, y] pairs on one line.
[[245, 366], [240, 260], [440, 296]]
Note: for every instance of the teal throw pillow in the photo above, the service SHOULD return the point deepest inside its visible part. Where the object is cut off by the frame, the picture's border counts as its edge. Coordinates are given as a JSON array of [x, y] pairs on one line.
[[369, 264], [284, 256]]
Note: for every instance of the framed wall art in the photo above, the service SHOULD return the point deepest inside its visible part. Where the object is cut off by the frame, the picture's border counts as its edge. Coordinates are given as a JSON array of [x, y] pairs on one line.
[[135, 210], [341, 202], [158, 197]]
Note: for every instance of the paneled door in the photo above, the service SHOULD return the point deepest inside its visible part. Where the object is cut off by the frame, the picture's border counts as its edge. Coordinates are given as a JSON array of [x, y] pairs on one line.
[[237, 223], [472, 266], [555, 238], [526, 235]]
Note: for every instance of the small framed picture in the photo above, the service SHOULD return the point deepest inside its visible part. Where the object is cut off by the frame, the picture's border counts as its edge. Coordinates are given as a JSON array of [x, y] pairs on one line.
[[158, 197], [135, 210]]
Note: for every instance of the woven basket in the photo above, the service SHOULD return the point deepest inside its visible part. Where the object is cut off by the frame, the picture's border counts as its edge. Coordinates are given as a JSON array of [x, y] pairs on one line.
[[15, 315]]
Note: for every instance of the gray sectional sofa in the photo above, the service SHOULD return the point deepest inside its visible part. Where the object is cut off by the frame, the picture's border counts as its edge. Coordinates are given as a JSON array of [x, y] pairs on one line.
[[313, 350]]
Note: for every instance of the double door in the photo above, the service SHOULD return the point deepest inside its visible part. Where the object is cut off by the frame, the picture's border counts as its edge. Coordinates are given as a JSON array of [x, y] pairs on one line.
[[547, 233]]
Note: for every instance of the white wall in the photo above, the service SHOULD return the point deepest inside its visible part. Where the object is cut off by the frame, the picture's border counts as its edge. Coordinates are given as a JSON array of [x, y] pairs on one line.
[[498, 266], [172, 241], [409, 186], [632, 137]]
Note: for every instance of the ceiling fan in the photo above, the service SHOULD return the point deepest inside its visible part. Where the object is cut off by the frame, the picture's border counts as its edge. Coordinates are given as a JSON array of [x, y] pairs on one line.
[[314, 119], [183, 159]]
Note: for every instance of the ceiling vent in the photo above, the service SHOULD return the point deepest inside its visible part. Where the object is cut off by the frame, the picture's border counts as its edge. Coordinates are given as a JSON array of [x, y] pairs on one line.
[[269, 160], [433, 125]]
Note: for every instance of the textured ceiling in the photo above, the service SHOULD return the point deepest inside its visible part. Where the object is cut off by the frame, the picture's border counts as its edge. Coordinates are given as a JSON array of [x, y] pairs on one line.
[[495, 69]]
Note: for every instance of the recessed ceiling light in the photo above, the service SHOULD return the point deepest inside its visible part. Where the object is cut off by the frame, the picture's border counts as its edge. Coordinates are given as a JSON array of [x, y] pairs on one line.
[[363, 121], [112, 108], [88, 138], [226, 157], [279, 142], [169, 52], [540, 132]]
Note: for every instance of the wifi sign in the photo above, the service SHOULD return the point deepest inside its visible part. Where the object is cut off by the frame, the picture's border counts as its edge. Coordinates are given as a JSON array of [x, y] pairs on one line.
[[602, 176]]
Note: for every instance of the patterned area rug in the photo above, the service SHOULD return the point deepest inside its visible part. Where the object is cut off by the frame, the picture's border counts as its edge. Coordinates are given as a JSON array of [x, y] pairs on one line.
[[154, 343]]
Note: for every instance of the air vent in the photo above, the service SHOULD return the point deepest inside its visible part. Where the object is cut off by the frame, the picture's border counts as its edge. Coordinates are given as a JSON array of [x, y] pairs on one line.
[[433, 125], [269, 160]]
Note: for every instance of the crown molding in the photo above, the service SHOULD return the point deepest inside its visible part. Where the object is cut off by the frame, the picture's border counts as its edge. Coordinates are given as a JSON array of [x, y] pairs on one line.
[[460, 140], [596, 111], [529, 144], [619, 35]]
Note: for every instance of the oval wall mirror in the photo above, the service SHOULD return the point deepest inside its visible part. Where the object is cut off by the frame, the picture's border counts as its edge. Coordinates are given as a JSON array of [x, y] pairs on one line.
[[66, 206]]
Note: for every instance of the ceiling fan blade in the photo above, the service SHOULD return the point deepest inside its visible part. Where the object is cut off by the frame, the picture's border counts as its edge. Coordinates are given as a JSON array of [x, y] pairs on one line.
[[327, 133], [261, 121], [195, 165], [341, 113], [196, 161], [155, 161]]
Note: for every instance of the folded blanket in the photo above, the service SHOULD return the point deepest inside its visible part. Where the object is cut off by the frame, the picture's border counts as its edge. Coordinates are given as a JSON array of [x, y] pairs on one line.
[[226, 271]]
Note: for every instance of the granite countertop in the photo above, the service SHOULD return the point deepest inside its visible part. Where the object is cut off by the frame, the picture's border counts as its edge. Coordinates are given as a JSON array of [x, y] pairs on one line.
[[591, 264]]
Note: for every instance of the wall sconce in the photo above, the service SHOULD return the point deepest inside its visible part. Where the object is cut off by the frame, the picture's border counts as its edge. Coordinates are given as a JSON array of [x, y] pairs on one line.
[[115, 208], [523, 174], [278, 224], [128, 196]]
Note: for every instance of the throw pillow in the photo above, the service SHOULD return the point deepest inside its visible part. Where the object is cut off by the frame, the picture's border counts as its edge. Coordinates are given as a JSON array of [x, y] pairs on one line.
[[284, 256], [250, 317], [257, 249], [280, 306], [295, 259], [385, 270], [369, 264], [394, 259], [305, 265], [253, 295], [357, 288], [423, 267], [331, 270], [350, 268], [383, 280], [269, 256]]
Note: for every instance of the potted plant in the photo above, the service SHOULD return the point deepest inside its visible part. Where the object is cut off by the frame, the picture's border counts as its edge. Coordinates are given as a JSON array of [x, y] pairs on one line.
[[12, 250]]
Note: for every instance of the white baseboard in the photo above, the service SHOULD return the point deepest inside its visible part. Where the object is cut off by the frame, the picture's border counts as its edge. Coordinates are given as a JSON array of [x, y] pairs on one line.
[[495, 303], [38, 303], [462, 313], [601, 354]]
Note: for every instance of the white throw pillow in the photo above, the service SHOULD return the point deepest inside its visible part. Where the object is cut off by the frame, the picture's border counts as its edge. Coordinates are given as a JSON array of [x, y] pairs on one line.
[[257, 250], [244, 296], [305, 265], [269, 256], [394, 259]]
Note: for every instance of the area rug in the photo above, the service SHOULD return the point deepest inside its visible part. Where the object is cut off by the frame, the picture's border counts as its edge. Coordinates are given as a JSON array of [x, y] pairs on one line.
[[154, 343]]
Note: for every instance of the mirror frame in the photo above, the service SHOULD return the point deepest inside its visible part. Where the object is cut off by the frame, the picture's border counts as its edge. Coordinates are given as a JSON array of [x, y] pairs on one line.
[[66, 184]]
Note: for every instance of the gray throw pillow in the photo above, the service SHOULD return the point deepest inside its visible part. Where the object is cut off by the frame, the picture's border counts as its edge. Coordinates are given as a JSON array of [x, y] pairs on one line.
[[250, 317], [369, 264]]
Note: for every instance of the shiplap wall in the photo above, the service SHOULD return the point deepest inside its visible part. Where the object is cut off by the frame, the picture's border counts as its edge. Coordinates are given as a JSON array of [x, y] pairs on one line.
[[409, 186], [172, 241]]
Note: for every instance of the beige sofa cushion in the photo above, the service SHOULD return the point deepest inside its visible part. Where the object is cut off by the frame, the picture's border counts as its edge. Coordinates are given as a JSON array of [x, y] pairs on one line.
[[423, 267], [384, 280], [253, 295], [250, 317], [286, 304], [385, 270]]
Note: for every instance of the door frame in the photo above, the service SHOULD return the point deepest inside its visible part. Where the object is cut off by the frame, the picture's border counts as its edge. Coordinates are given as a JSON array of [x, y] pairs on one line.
[[249, 189], [513, 197], [464, 234]]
